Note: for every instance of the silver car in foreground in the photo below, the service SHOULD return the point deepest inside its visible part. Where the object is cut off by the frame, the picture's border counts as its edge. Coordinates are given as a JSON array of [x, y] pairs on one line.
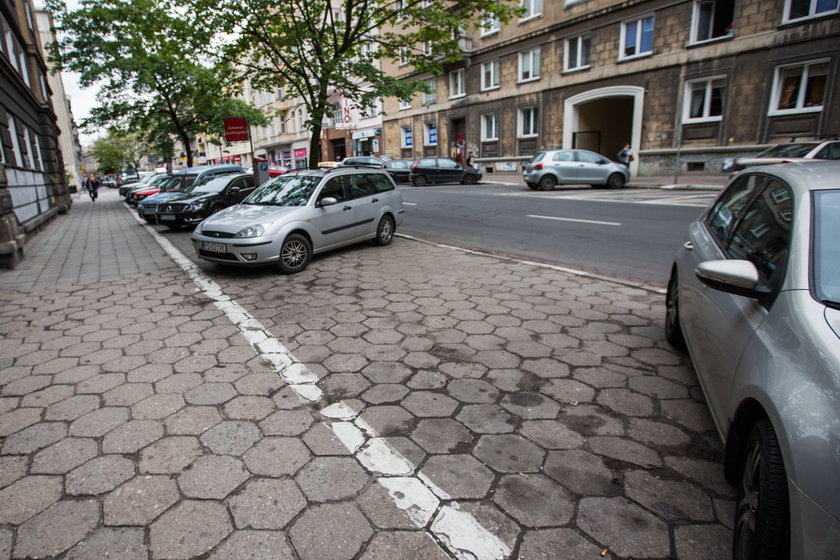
[[293, 216], [755, 296], [550, 168]]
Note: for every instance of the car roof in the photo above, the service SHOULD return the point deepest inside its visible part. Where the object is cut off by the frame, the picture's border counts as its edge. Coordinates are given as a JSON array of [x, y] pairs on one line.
[[816, 175]]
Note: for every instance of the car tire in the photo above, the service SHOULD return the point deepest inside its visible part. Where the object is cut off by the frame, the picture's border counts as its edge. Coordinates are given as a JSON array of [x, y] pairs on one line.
[[295, 254], [384, 231], [532, 186], [419, 180], [470, 179], [673, 330], [547, 182], [762, 526], [615, 181]]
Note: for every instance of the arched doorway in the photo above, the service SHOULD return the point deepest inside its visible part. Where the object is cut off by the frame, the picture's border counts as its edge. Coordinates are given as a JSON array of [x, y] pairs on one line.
[[602, 120]]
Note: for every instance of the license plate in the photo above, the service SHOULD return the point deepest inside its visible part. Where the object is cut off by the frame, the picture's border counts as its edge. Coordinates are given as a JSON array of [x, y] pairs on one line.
[[214, 247], [166, 218]]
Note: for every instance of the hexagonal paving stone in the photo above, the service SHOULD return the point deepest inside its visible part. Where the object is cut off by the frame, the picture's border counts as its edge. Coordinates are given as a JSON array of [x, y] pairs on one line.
[[385, 393], [427, 404], [56, 529], [34, 438], [72, 408], [169, 455], [509, 453], [669, 500], [610, 520], [210, 394], [99, 475], [535, 500], [12, 468], [287, 422], [140, 500], [132, 436], [487, 419], [231, 438], [267, 504], [251, 408], [441, 435], [412, 545], [213, 477], [277, 456], [194, 420], [389, 420], [543, 544], [189, 530], [330, 532], [28, 496], [64, 456], [331, 478], [530, 405], [460, 476], [254, 545], [322, 441], [123, 543], [474, 391]]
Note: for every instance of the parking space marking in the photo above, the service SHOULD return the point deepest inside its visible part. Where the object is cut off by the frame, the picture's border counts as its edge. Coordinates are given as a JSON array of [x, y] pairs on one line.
[[413, 492], [596, 222]]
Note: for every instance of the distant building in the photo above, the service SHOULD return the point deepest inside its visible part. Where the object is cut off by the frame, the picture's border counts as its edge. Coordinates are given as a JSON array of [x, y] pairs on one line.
[[33, 188], [687, 83]]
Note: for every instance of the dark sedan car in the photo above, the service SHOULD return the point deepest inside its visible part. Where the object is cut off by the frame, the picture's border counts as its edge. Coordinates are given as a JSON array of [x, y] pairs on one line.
[[442, 170], [189, 208], [400, 169]]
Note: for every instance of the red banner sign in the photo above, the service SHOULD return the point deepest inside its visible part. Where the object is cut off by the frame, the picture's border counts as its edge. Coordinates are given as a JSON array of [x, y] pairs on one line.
[[236, 129]]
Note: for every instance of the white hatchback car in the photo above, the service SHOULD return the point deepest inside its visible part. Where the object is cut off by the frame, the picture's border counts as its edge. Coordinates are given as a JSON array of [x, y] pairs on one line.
[[293, 216]]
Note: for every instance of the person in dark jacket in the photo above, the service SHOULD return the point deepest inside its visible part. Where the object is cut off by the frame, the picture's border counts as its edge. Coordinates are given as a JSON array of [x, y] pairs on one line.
[[91, 185]]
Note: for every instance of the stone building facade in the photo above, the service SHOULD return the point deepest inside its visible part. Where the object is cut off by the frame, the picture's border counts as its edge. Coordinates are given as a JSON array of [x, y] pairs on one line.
[[687, 83], [33, 187]]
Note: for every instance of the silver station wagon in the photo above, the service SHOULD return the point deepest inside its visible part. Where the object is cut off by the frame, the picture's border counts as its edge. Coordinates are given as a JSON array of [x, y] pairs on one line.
[[294, 216], [755, 296]]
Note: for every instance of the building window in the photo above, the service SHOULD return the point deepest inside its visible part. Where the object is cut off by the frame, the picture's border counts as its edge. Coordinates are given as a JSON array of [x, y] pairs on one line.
[[637, 37], [799, 88], [430, 134], [577, 52], [489, 127], [337, 114], [528, 125], [489, 75], [801, 9], [399, 7], [711, 19], [406, 137], [456, 83], [529, 65], [15, 142], [283, 122], [490, 24], [427, 48], [403, 56], [533, 8], [405, 103], [704, 100], [300, 119], [430, 96]]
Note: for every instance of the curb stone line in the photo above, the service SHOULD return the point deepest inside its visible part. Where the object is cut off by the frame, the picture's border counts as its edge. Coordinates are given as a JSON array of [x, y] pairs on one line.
[[415, 494]]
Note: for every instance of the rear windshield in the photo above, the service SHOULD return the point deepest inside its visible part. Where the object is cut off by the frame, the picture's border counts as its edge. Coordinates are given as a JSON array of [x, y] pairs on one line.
[[799, 149], [826, 251], [538, 157]]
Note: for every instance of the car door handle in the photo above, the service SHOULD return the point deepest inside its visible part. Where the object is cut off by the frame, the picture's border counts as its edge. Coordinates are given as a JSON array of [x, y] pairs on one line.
[[688, 246], [375, 200], [346, 208]]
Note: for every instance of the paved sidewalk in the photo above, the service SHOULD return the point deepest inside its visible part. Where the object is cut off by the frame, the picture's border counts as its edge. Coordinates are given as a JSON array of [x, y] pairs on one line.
[[434, 404]]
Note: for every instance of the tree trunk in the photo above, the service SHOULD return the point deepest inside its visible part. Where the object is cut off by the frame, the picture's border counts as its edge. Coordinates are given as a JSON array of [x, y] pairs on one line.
[[315, 147]]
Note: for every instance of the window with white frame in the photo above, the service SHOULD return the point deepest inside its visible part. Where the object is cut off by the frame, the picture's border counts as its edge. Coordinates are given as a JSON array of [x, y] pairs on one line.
[[528, 125], [489, 127], [799, 88], [403, 56], [704, 100], [15, 142], [577, 52], [637, 37], [456, 83], [490, 24], [430, 96], [283, 123], [533, 8], [430, 136], [801, 9], [711, 19], [300, 119], [399, 7], [427, 48], [406, 137], [405, 103], [489, 75], [529, 65]]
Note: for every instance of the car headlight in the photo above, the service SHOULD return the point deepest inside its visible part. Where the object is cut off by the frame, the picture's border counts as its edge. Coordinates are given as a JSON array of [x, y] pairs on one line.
[[197, 205], [252, 231]]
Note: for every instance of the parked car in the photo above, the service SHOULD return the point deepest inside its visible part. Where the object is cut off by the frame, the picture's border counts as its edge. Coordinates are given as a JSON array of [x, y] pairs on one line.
[[442, 170], [148, 189], [189, 208], [277, 170], [125, 188], [290, 218], [754, 294], [327, 164], [787, 153], [147, 207], [110, 182], [184, 178], [550, 168], [400, 169], [362, 161]]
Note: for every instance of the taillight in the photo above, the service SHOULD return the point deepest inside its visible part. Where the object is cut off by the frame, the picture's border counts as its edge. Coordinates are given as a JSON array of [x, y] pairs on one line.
[[416, 163], [538, 166]]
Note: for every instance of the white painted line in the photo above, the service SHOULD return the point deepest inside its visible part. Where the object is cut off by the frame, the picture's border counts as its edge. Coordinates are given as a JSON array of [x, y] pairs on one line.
[[409, 204], [574, 220], [418, 496]]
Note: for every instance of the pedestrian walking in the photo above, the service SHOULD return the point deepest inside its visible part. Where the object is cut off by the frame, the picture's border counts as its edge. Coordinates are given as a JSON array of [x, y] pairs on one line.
[[470, 159], [625, 156], [91, 186]]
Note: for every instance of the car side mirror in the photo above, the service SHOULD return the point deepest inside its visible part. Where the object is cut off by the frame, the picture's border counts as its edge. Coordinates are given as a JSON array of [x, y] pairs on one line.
[[234, 190], [328, 201], [738, 277]]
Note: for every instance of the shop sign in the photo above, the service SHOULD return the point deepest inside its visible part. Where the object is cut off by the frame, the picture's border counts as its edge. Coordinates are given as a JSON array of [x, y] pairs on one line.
[[369, 133], [300, 153], [236, 129]]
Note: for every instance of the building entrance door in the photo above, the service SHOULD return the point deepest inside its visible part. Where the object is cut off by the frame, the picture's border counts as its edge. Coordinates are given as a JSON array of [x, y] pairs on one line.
[[458, 139]]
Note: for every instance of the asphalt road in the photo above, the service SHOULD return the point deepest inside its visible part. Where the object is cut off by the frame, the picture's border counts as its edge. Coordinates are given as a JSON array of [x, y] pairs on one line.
[[630, 233]]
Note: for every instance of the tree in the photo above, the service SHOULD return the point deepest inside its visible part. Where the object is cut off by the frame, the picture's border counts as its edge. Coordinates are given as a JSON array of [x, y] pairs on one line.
[[143, 54], [318, 47]]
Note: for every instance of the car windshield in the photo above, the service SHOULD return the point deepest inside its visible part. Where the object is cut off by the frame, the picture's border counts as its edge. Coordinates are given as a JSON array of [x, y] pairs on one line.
[[285, 190], [826, 252], [800, 149], [210, 185]]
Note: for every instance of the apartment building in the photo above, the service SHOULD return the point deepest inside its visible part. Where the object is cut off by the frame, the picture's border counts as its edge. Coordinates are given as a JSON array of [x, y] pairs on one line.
[[32, 182], [687, 83]]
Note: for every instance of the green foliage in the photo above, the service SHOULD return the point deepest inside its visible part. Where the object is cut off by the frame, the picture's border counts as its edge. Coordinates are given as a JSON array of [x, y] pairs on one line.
[[144, 56], [120, 150]]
